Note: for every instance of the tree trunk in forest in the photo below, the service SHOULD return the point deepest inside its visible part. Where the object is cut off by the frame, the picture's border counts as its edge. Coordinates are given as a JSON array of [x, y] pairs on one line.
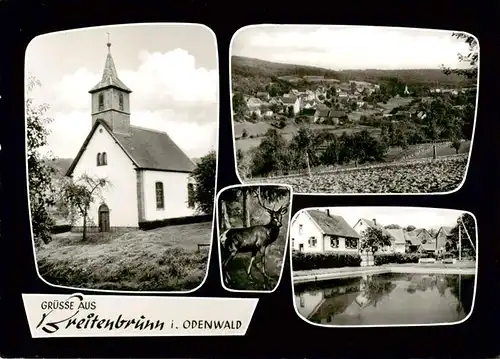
[[225, 217], [246, 216]]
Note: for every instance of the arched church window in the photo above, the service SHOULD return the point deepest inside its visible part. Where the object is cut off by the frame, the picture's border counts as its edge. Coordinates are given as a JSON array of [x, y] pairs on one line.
[[120, 101], [104, 161], [101, 101], [160, 199], [98, 159]]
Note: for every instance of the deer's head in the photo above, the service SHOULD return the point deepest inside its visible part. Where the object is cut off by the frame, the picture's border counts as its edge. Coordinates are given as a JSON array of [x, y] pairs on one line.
[[275, 214]]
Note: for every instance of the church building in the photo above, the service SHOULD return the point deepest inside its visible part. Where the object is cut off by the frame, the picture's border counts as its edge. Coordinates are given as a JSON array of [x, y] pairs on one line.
[[148, 174]]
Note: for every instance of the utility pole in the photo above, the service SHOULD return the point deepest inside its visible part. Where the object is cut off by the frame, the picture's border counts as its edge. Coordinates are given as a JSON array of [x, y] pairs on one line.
[[459, 242], [468, 236]]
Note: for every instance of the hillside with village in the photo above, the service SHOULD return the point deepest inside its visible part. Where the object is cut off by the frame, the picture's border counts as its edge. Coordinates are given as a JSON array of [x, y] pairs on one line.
[[300, 123]]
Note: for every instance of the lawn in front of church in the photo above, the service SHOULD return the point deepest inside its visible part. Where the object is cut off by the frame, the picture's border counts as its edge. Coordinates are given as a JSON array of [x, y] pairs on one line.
[[163, 259]]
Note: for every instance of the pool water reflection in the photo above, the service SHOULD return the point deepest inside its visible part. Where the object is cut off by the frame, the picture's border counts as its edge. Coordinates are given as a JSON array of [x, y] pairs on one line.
[[387, 299]]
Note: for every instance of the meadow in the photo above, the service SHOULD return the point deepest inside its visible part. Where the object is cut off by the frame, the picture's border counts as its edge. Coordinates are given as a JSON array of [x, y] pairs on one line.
[[163, 259]]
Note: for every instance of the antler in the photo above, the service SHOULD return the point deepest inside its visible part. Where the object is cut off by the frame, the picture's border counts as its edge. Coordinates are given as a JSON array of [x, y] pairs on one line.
[[261, 203]]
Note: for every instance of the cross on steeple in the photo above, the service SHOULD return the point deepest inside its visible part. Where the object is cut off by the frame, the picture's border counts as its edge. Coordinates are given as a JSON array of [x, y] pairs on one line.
[[109, 43]]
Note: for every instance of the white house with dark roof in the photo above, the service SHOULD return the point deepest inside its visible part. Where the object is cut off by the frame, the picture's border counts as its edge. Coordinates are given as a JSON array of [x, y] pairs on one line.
[[443, 236], [149, 174], [315, 231], [291, 102], [397, 236]]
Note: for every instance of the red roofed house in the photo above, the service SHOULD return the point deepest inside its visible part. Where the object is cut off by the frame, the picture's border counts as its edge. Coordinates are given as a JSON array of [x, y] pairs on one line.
[[149, 174]]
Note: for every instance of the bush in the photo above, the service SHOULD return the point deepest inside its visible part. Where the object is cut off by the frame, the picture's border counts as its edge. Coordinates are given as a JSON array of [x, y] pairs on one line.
[[60, 228], [307, 261], [147, 225], [396, 258]]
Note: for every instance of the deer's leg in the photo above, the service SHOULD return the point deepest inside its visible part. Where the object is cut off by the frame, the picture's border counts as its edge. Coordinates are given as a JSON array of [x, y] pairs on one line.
[[264, 254], [249, 269], [229, 256]]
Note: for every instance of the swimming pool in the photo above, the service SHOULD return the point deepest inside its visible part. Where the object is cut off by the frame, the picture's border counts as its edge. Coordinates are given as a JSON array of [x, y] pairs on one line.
[[387, 299]]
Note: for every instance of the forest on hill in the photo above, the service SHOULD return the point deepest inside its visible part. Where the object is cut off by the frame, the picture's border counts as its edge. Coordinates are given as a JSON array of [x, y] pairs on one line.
[[251, 75]]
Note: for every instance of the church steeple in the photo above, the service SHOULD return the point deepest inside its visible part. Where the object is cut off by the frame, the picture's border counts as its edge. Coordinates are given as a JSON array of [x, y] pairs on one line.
[[110, 76], [110, 98]]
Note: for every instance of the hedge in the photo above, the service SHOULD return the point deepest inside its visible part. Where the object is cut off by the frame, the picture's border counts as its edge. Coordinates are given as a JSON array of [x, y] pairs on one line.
[[307, 261], [147, 225], [399, 258], [60, 228]]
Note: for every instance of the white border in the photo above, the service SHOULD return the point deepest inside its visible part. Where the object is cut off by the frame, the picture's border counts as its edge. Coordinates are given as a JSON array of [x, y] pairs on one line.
[[137, 292], [287, 235], [388, 325], [365, 26]]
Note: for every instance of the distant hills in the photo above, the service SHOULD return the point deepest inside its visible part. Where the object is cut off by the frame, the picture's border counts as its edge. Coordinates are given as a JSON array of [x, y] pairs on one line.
[[61, 165], [249, 72]]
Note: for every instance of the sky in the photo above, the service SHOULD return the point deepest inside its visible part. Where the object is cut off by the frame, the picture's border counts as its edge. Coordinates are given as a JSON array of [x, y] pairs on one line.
[[350, 47], [172, 71], [404, 216]]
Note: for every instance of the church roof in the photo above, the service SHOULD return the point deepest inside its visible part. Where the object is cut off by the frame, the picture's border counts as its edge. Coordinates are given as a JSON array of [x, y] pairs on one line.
[[110, 76], [147, 149]]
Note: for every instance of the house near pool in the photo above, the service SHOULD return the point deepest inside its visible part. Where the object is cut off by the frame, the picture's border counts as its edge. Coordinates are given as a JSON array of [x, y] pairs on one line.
[[315, 231], [398, 236], [318, 231], [149, 174]]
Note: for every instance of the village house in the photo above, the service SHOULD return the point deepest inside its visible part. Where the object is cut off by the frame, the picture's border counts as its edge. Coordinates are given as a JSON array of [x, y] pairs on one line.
[[149, 174], [400, 237], [413, 244], [308, 104], [315, 231], [291, 102], [320, 93], [420, 240], [265, 110], [363, 224], [443, 236], [323, 114], [263, 96], [253, 105], [309, 95]]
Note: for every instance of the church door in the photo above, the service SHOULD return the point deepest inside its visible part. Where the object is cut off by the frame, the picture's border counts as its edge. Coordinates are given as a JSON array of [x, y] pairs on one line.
[[103, 218]]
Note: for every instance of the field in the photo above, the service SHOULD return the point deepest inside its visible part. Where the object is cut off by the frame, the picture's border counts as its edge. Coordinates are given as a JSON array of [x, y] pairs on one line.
[[164, 259], [414, 176], [396, 102], [257, 130]]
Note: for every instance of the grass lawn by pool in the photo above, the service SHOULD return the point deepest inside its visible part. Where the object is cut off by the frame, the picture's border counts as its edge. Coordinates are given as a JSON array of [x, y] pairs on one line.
[[163, 259]]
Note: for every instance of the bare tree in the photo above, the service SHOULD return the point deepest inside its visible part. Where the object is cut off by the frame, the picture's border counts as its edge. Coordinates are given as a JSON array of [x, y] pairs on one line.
[[78, 195]]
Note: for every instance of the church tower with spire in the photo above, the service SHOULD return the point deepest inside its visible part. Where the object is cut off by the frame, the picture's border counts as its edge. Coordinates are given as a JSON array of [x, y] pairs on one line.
[[111, 99]]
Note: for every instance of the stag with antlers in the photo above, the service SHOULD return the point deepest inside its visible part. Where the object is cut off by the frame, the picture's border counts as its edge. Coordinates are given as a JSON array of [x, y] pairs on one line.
[[254, 240]]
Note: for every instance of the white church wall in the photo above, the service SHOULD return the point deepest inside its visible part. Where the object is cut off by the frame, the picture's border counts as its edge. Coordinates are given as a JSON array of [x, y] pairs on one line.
[[121, 195], [175, 188]]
